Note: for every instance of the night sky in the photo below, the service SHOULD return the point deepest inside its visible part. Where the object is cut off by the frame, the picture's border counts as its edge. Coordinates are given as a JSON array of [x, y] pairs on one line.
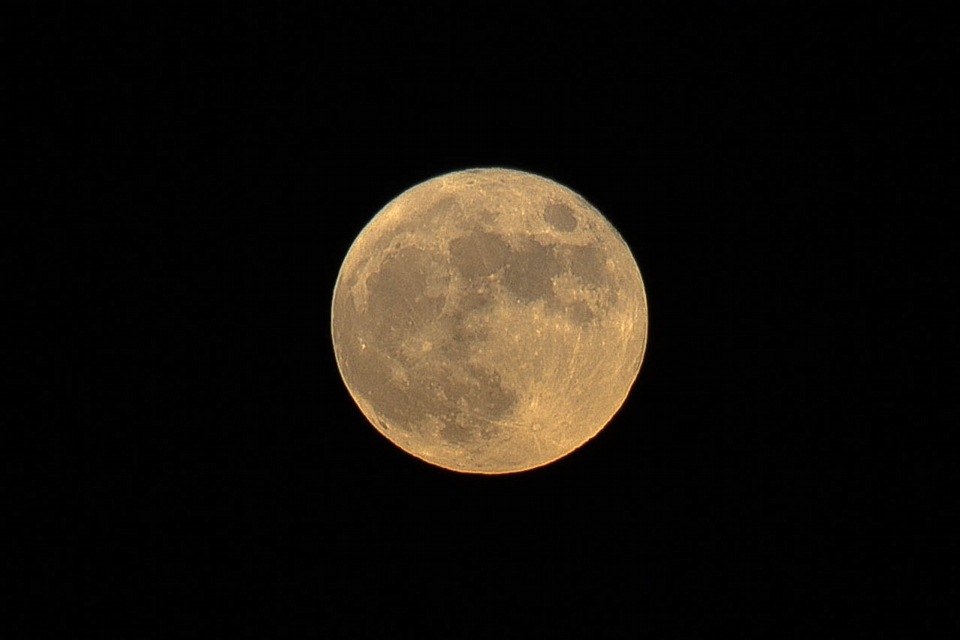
[[218, 167]]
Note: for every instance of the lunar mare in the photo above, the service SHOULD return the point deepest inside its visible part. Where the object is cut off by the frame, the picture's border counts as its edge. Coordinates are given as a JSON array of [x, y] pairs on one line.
[[489, 321]]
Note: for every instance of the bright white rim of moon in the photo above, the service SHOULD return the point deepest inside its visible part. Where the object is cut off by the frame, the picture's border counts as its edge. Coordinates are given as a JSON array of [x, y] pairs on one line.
[[489, 321]]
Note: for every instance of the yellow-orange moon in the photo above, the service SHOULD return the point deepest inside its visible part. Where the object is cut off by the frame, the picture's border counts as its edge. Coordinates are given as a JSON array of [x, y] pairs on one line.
[[489, 321]]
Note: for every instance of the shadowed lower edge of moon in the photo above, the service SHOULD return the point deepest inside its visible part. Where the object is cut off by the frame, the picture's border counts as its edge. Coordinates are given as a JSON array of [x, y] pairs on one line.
[[429, 359]]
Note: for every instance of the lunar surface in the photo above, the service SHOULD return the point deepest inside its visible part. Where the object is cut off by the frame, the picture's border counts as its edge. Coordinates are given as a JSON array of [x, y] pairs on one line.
[[489, 321]]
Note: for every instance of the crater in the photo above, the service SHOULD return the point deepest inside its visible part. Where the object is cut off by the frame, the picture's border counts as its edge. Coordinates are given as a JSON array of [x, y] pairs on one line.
[[560, 217]]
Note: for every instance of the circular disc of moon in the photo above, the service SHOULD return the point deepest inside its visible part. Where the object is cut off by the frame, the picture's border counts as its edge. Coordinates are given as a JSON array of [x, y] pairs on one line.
[[489, 321]]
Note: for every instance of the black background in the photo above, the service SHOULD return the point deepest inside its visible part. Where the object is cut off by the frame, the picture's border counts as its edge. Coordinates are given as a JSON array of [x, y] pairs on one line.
[[219, 167]]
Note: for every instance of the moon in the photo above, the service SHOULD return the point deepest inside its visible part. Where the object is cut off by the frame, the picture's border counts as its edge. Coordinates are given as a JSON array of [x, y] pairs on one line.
[[489, 321]]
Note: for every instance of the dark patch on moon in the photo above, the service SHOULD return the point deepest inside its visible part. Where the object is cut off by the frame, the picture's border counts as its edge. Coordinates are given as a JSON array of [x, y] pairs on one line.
[[586, 262], [456, 433], [406, 388], [490, 398], [445, 206], [475, 300], [459, 330], [530, 272], [580, 312], [560, 217], [468, 395], [371, 370], [398, 291], [478, 253], [453, 393]]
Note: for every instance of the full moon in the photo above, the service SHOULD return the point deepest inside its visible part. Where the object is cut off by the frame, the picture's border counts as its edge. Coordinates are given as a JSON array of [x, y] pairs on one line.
[[489, 321]]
